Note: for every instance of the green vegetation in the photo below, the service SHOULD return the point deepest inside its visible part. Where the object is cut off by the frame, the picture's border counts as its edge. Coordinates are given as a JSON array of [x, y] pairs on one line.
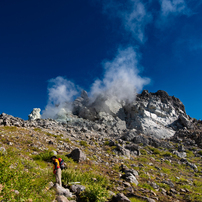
[[155, 150], [189, 153], [136, 200], [45, 156], [167, 154], [28, 174], [94, 193], [37, 129], [83, 143], [106, 142], [22, 179], [143, 151], [145, 186]]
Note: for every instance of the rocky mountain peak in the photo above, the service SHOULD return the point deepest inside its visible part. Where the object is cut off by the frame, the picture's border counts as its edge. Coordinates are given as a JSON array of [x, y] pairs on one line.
[[155, 115]]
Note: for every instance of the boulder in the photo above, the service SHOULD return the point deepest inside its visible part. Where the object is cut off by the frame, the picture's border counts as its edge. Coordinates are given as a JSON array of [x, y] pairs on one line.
[[77, 155], [50, 185], [180, 154], [125, 169], [122, 151], [77, 188], [62, 191], [129, 177], [120, 197], [62, 199], [133, 147]]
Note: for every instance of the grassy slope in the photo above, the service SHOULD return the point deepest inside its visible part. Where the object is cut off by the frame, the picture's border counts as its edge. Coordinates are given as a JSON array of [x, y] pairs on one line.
[[29, 174]]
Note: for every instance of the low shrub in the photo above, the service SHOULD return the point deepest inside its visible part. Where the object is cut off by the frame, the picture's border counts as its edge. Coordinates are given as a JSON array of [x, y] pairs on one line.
[[106, 142], [167, 154], [143, 152], [136, 200], [146, 186], [45, 156], [155, 150], [37, 129], [83, 143], [94, 193]]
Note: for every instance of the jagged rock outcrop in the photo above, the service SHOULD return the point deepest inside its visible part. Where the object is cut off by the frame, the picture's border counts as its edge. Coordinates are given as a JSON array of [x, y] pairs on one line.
[[35, 114], [153, 114]]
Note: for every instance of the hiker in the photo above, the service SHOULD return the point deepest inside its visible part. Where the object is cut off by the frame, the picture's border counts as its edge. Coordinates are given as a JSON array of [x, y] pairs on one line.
[[57, 170]]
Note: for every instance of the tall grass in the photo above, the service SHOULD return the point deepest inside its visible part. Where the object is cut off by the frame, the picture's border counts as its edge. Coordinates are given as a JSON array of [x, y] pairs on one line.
[[25, 176], [96, 185]]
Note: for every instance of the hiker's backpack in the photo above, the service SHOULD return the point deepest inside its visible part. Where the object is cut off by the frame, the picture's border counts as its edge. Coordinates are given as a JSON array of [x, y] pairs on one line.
[[62, 163]]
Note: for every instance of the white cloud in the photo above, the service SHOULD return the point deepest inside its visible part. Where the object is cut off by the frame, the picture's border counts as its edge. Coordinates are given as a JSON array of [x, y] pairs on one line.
[[137, 20], [136, 15], [132, 13], [174, 7]]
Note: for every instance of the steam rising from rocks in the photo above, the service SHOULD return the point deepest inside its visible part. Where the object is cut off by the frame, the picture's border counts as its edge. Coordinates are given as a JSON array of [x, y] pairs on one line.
[[121, 81], [60, 96]]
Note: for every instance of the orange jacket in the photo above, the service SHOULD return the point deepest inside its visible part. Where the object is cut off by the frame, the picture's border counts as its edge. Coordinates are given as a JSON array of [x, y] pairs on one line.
[[56, 164]]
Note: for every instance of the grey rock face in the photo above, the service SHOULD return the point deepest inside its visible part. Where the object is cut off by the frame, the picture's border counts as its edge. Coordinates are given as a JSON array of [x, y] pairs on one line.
[[77, 155], [152, 113], [184, 121], [35, 114]]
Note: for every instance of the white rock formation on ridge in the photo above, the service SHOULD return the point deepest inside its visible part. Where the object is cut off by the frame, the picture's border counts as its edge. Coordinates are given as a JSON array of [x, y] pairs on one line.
[[154, 113], [35, 114]]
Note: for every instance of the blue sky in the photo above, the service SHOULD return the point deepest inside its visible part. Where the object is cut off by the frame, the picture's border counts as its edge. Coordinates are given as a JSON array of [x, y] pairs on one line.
[[41, 40]]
